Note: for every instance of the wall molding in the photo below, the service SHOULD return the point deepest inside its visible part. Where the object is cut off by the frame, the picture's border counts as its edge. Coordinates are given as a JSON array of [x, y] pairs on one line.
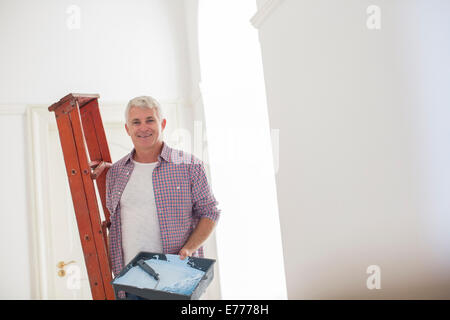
[[264, 12], [13, 109], [37, 121]]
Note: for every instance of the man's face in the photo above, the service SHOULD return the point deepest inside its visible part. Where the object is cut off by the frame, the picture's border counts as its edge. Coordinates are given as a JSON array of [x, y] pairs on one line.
[[145, 128]]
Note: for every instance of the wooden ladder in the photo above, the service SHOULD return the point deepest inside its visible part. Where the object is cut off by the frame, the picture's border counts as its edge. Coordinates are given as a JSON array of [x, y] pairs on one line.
[[87, 158]]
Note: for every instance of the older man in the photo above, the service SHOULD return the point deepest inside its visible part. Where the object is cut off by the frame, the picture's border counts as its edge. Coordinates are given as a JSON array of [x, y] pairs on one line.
[[159, 198]]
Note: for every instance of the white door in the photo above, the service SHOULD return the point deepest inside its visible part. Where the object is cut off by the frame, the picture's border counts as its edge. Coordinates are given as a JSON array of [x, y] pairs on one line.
[[70, 281]]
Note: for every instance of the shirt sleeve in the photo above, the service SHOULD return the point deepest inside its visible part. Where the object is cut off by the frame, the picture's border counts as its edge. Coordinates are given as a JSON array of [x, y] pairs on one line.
[[108, 190], [204, 202]]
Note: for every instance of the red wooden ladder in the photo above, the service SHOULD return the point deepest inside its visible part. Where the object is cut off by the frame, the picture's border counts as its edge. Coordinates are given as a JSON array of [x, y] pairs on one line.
[[87, 158]]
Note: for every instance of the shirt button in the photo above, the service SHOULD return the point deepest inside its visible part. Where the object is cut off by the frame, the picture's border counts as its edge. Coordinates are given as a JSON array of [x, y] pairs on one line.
[[178, 187]]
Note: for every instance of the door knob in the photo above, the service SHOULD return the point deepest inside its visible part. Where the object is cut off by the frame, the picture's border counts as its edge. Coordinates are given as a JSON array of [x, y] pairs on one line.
[[62, 264]]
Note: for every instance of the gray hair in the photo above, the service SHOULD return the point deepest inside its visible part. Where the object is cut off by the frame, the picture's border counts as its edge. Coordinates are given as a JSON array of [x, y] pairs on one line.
[[144, 102]]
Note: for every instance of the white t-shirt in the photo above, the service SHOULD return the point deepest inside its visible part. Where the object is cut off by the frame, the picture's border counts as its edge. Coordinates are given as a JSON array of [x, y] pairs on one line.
[[140, 223]]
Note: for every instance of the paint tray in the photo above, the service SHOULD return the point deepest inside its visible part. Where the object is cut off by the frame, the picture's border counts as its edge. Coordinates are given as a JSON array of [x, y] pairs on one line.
[[202, 264]]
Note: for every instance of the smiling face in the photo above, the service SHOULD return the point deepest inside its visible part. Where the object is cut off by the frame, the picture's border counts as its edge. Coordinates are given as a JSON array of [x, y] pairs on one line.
[[145, 128]]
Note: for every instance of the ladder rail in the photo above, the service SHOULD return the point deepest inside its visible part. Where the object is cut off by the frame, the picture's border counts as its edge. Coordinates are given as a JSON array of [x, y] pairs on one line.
[[99, 155]]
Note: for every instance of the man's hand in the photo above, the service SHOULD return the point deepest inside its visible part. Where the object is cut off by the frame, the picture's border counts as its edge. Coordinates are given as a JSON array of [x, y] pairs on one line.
[[198, 236], [185, 252]]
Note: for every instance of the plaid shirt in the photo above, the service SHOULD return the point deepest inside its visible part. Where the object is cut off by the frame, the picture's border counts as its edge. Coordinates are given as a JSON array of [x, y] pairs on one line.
[[182, 196]]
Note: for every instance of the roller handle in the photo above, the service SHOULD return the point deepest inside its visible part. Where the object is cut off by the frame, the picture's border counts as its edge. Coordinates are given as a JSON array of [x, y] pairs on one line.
[[141, 263]]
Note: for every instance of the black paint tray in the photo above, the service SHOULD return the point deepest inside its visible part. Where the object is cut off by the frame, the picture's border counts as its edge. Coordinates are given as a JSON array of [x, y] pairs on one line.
[[203, 264]]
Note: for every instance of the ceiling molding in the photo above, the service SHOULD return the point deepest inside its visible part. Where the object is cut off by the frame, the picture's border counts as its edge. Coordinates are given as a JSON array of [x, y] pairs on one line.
[[264, 12]]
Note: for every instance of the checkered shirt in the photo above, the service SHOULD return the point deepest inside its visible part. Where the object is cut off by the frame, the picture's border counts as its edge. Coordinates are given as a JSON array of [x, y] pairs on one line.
[[182, 196]]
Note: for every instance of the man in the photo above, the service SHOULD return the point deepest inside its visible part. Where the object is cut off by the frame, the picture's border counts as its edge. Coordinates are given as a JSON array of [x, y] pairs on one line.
[[158, 197]]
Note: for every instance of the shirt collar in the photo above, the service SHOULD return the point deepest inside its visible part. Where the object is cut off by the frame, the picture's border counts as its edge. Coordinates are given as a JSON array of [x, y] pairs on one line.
[[165, 153]]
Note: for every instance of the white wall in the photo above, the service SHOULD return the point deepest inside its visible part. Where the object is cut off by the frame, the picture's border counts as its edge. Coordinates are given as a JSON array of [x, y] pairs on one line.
[[194, 134], [232, 86], [14, 229], [122, 49], [364, 159]]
